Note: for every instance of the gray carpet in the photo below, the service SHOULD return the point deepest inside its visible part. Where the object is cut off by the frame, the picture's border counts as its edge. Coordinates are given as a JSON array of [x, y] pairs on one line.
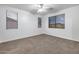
[[40, 44]]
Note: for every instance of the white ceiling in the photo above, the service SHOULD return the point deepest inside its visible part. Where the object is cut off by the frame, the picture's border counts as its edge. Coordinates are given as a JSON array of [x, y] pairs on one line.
[[33, 7]]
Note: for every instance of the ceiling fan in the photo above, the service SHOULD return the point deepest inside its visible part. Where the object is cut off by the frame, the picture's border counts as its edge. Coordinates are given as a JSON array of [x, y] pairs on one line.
[[44, 8]]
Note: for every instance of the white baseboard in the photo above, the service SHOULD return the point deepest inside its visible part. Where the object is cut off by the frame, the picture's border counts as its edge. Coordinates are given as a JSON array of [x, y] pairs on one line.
[[68, 38], [35, 35], [18, 38]]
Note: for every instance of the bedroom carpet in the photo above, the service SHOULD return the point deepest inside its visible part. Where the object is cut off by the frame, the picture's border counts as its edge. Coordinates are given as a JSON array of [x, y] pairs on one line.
[[40, 44]]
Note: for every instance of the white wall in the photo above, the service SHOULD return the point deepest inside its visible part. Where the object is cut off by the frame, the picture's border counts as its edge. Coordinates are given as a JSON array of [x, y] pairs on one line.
[[27, 25], [75, 23], [71, 30]]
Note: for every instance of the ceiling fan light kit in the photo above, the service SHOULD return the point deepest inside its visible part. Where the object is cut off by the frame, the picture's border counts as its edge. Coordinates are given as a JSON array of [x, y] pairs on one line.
[[43, 8], [40, 9]]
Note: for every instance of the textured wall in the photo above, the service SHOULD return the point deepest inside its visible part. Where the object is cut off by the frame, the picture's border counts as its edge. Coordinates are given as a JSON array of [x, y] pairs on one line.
[[71, 30], [27, 25]]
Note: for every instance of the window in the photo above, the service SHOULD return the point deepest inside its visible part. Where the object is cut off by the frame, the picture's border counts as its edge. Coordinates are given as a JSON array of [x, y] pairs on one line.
[[11, 20], [39, 22], [57, 21]]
